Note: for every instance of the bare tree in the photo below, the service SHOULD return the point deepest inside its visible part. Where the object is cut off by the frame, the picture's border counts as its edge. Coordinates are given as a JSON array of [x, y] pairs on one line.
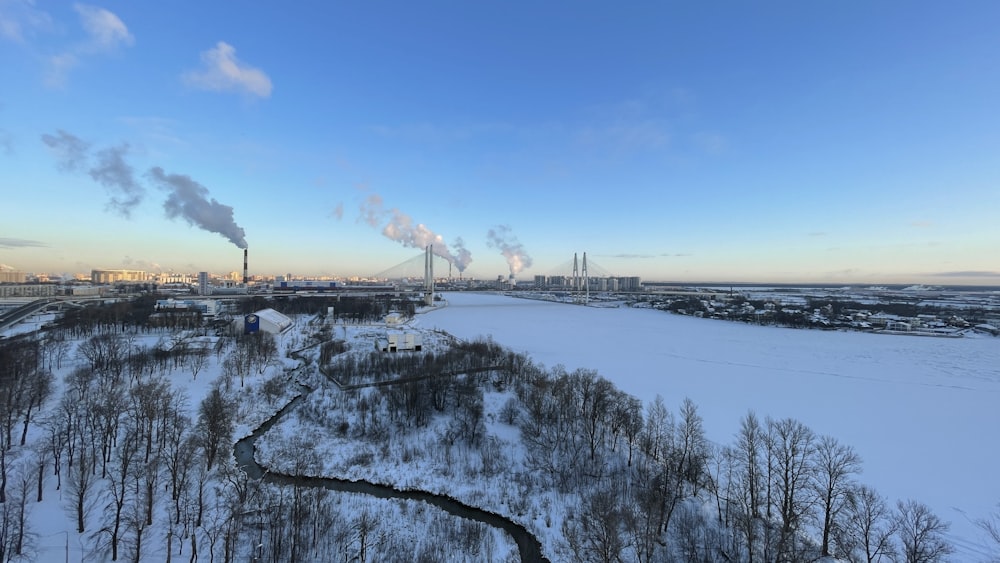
[[692, 446], [37, 391], [55, 348], [179, 451], [197, 359], [643, 513], [595, 400], [835, 464], [8, 530], [596, 534], [366, 534], [105, 353], [791, 450], [869, 526], [991, 525], [632, 424], [80, 483], [215, 425], [749, 479], [121, 478], [658, 430], [19, 509], [921, 533], [23, 388]]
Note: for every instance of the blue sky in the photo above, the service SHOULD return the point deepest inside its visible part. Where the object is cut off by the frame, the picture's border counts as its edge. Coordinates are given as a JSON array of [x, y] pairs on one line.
[[771, 141]]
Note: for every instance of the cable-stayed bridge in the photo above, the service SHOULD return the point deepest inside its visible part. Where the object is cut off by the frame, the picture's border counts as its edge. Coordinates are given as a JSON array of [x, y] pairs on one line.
[[413, 269], [566, 269]]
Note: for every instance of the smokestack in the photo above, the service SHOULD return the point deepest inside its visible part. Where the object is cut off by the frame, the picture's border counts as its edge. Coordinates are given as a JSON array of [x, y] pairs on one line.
[[245, 278]]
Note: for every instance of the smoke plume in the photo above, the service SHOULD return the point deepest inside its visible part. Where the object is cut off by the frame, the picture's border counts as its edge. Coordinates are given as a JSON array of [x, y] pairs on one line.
[[111, 169], [462, 255], [501, 238], [189, 199], [118, 177], [401, 228], [70, 150]]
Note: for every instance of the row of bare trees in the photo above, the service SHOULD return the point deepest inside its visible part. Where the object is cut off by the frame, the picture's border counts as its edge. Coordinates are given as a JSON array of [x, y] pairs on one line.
[[119, 436], [654, 488]]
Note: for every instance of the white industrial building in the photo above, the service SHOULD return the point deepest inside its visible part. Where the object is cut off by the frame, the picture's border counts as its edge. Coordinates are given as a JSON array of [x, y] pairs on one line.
[[207, 307], [266, 320], [400, 342]]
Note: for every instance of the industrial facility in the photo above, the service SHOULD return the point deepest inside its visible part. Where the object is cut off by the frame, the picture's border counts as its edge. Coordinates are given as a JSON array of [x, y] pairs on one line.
[[400, 342], [265, 320]]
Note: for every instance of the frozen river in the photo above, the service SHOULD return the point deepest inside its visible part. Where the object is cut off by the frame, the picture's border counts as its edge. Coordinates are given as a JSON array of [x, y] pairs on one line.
[[922, 412]]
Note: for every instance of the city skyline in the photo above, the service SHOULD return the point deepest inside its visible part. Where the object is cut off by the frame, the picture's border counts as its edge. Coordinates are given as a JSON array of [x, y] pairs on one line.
[[781, 142]]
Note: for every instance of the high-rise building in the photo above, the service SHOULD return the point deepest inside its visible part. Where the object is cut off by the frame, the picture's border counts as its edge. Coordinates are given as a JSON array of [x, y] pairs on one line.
[[112, 276], [203, 288], [12, 276]]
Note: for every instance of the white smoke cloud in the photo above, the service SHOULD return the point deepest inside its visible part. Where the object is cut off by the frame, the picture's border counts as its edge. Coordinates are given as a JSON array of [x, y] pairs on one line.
[[185, 197], [400, 227], [500, 237], [71, 152], [190, 200], [462, 255], [111, 170], [118, 177]]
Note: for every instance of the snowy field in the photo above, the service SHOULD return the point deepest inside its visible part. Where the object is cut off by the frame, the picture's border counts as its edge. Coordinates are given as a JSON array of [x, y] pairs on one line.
[[923, 413]]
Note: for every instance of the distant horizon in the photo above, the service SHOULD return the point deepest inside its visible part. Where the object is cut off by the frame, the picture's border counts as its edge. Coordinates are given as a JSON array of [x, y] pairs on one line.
[[978, 284]]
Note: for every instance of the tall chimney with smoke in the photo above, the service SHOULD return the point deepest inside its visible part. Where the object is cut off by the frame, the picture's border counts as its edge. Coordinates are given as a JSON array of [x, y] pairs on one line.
[[245, 277]]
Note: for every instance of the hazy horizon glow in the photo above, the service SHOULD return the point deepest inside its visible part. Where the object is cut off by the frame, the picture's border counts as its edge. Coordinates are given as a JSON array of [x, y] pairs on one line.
[[784, 142]]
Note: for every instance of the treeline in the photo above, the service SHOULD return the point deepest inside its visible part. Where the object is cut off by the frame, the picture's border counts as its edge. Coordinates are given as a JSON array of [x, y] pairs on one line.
[[643, 483], [654, 488], [378, 366], [133, 314], [345, 308], [429, 383], [117, 316]]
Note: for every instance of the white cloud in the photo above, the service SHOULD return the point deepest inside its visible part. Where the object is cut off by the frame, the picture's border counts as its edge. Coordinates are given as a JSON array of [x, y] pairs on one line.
[[224, 72], [19, 18], [106, 30], [105, 34]]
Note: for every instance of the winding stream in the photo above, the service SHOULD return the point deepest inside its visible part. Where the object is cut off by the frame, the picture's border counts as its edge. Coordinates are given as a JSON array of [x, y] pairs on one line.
[[529, 548]]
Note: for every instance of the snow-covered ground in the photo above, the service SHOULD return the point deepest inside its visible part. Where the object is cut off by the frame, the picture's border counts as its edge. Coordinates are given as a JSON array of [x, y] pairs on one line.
[[922, 412]]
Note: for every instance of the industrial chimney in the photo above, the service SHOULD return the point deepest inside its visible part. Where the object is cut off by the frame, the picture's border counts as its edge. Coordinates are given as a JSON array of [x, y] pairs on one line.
[[429, 276], [245, 278]]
